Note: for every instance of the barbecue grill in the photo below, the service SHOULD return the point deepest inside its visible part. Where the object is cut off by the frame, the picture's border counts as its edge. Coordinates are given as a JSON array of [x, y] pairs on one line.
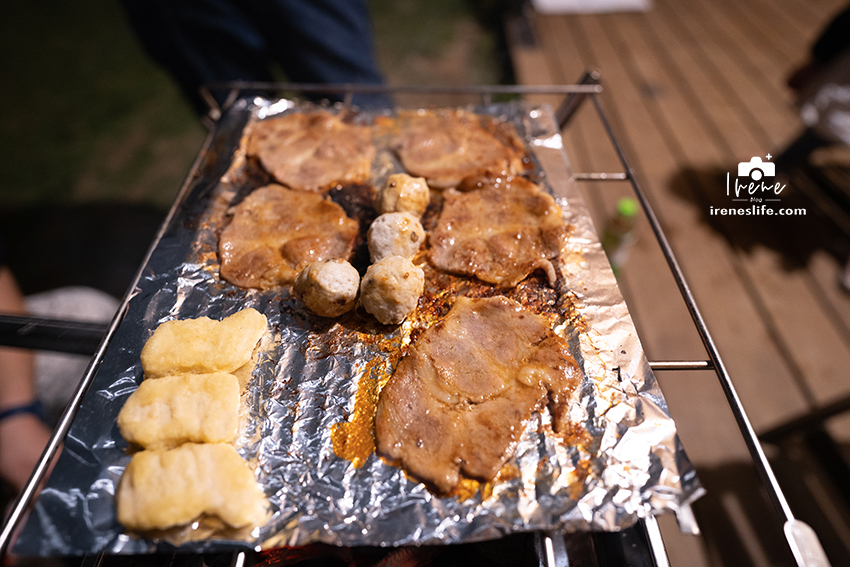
[[639, 545]]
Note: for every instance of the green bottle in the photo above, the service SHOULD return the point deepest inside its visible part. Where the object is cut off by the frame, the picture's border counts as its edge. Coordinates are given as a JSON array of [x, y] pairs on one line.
[[619, 234]]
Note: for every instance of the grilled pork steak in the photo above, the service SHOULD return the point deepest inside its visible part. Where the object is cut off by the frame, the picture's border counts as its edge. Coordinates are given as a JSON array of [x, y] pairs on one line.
[[499, 233], [447, 147], [312, 151], [457, 402], [275, 233]]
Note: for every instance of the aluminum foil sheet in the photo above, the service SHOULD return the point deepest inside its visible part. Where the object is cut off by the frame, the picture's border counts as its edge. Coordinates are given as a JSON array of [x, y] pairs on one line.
[[308, 399]]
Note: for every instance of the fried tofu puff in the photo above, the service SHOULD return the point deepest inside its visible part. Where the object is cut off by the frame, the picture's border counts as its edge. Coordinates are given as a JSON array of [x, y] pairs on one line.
[[165, 488], [328, 288], [202, 346], [391, 288], [395, 234], [403, 194], [169, 411]]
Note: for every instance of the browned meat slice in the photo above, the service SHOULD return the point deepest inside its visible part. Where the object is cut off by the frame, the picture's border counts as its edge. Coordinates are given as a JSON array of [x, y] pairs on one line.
[[457, 402], [275, 233], [449, 146], [312, 151], [408, 428], [498, 233]]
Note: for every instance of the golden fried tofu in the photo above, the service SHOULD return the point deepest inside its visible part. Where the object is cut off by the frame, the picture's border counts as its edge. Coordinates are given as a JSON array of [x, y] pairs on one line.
[[199, 346], [165, 488], [199, 408]]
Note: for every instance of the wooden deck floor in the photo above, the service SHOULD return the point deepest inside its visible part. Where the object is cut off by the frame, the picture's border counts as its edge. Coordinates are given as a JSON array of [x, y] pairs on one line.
[[692, 88]]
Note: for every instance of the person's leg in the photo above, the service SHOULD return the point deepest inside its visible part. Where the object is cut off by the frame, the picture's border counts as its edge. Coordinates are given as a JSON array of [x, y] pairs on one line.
[[321, 41], [23, 435], [200, 42]]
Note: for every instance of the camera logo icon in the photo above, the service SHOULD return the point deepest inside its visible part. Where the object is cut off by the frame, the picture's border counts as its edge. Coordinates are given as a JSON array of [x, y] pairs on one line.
[[756, 169]]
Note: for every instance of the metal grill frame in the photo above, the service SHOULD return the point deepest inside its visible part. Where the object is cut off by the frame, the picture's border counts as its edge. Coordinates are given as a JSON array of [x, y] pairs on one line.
[[551, 548]]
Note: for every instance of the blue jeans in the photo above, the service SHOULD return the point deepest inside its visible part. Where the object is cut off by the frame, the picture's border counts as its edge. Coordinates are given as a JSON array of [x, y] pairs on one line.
[[212, 41]]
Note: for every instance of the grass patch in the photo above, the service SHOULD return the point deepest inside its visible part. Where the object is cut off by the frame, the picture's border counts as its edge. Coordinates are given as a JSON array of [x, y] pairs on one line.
[[76, 83], [439, 42]]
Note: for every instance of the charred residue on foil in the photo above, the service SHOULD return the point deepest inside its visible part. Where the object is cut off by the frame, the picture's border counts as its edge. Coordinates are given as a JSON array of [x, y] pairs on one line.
[[354, 439]]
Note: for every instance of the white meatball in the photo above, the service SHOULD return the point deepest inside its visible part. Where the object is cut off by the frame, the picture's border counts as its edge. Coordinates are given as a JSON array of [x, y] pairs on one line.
[[328, 288], [403, 193], [395, 234], [391, 288]]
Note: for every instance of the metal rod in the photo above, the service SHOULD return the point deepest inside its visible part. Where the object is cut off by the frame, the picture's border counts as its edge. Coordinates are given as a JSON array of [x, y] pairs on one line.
[[92, 560], [749, 434], [555, 552], [36, 333], [214, 110], [348, 89], [681, 365], [656, 542], [415, 89], [631, 546], [600, 177], [571, 104]]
